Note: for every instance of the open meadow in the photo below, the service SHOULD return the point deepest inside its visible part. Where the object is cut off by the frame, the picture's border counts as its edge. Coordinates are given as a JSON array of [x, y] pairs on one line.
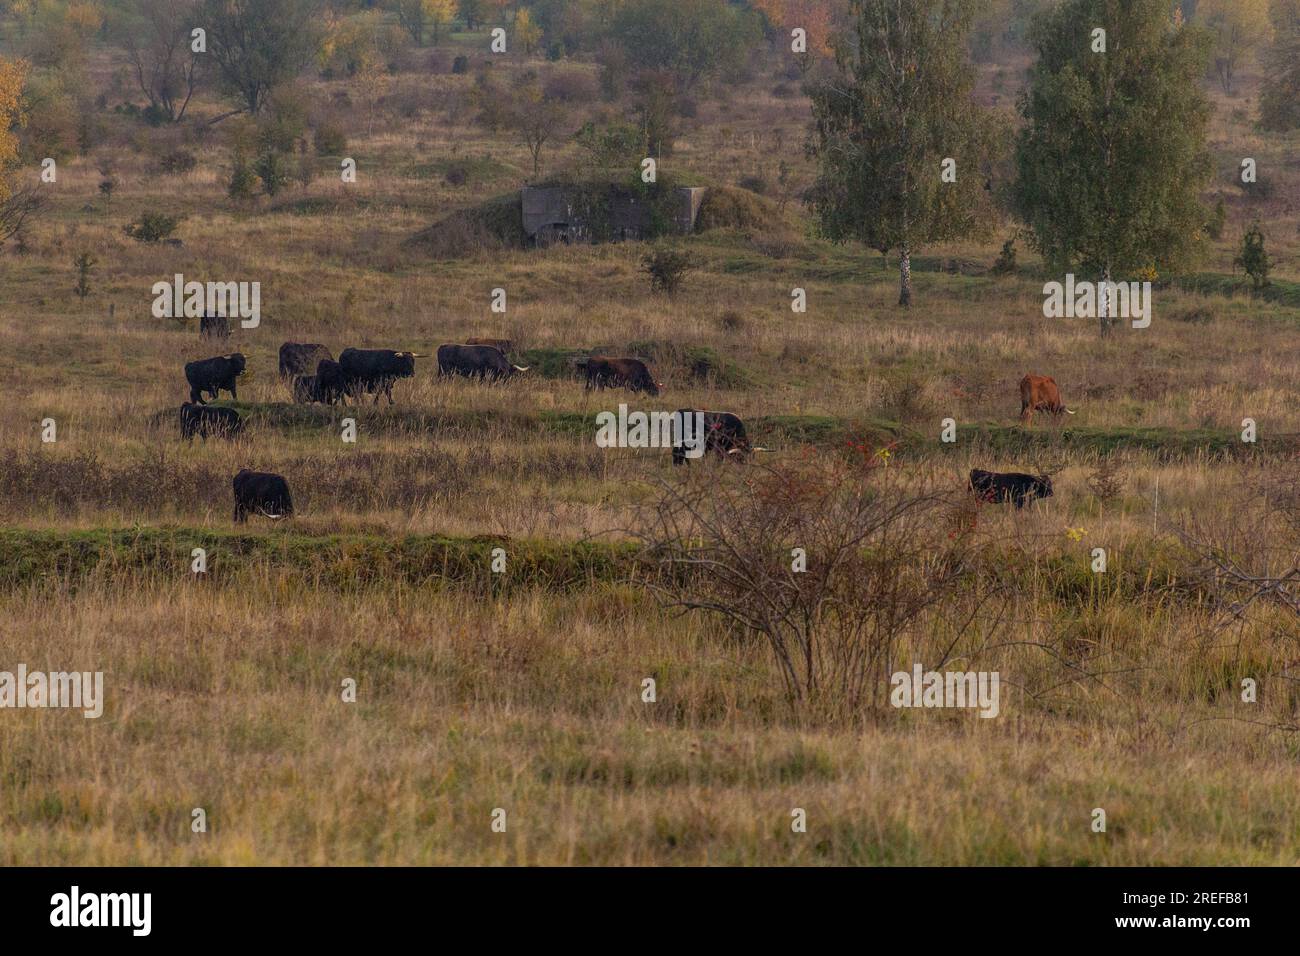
[[523, 689]]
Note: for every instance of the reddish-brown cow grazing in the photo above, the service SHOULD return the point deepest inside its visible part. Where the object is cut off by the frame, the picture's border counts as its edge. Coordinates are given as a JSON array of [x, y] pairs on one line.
[[626, 373], [1038, 393]]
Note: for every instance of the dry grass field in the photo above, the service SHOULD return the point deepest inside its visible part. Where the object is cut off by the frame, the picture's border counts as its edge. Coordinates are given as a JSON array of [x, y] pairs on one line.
[[523, 690]]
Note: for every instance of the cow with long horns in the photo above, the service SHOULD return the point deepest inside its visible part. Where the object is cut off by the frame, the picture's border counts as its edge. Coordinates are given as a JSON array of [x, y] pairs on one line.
[[1038, 393], [476, 361], [375, 370], [261, 492]]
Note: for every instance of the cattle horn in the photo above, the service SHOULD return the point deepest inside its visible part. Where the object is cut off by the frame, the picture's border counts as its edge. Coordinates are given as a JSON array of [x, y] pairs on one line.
[[1068, 411], [760, 449], [521, 368]]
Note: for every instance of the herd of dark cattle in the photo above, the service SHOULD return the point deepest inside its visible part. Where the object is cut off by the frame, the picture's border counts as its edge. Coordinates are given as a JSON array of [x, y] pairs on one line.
[[315, 376]]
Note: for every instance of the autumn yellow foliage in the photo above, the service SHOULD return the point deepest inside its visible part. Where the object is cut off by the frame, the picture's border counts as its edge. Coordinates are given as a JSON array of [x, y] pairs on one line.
[[13, 73]]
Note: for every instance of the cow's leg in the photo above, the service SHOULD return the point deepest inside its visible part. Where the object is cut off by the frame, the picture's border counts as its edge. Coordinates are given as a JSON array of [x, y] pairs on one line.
[[234, 396], [240, 515], [196, 397]]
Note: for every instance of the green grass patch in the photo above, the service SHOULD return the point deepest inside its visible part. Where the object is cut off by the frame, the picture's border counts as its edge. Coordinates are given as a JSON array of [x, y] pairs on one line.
[[339, 562], [1231, 286], [998, 440]]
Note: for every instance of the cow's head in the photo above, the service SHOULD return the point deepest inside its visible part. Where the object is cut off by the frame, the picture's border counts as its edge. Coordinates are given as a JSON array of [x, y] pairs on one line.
[[1043, 486]]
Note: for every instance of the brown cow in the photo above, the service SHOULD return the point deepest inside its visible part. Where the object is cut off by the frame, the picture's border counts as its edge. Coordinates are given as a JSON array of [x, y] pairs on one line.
[[1038, 393], [505, 345], [628, 373]]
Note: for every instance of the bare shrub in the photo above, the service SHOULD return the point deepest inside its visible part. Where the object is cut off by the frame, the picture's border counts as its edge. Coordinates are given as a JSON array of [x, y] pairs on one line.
[[1106, 482], [878, 556], [1240, 563]]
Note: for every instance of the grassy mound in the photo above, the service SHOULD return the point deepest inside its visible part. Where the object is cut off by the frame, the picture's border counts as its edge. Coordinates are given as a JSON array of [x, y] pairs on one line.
[[726, 207], [491, 225]]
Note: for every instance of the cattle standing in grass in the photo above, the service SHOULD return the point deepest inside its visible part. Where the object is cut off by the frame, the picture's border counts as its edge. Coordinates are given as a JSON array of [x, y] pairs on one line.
[[261, 493], [724, 435], [475, 361], [628, 373], [375, 370], [204, 421], [331, 383], [214, 327], [505, 345], [1010, 487], [214, 375], [301, 358], [1038, 393]]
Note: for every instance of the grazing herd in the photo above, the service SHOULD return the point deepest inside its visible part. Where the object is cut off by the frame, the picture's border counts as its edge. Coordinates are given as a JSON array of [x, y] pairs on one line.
[[315, 377]]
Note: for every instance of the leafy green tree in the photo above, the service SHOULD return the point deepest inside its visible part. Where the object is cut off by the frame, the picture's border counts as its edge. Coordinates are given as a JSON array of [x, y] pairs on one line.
[[243, 181], [886, 126], [473, 12], [694, 39], [1279, 97], [259, 44], [614, 146], [1111, 160], [156, 37], [84, 265], [1237, 27], [1254, 260], [273, 170]]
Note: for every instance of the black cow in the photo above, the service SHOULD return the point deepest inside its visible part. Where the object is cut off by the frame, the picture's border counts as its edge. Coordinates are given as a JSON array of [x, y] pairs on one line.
[[204, 421], [724, 435], [375, 370], [213, 375], [1012, 486], [475, 361], [214, 327], [261, 493], [627, 373], [331, 383], [301, 358]]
